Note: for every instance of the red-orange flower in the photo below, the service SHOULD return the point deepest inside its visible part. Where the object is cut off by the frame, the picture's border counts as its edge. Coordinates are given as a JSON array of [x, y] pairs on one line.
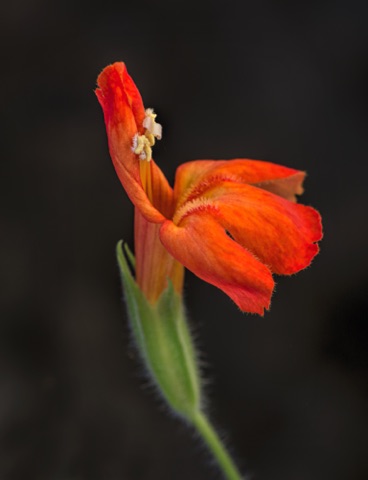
[[232, 223]]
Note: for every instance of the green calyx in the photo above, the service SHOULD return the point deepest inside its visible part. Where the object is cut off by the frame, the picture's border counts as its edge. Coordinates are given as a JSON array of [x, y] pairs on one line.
[[163, 339]]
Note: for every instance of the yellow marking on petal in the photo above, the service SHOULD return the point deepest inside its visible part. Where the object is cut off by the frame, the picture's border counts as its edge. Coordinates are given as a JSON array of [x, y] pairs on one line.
[[197, 205]]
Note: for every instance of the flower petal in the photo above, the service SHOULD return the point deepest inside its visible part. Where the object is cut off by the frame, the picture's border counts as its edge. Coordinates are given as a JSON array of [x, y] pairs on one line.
[[278, 232], [192, 176], [202, 246], [124, 114], [120, 99]]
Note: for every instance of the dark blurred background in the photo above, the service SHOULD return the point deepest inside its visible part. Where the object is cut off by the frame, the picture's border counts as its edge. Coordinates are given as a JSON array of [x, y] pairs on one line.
[[280, 81]]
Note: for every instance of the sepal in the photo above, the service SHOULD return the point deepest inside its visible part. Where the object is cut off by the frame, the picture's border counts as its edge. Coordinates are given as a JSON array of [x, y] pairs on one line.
[[164, 341]]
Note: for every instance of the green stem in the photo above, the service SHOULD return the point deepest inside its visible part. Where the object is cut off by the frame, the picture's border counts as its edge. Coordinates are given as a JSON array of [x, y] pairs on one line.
[[216, 447]]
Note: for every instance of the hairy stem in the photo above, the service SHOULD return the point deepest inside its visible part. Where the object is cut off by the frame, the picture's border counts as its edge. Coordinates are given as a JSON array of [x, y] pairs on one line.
[[216, 447]]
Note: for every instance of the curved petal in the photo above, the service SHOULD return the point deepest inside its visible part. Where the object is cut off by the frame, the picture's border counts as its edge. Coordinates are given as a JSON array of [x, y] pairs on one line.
[[202, 246], [282, 234], [191, 177], [124, 114], [120, 99]]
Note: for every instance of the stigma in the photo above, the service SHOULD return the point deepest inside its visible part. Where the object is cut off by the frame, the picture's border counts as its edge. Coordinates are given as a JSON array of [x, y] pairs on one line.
[[142, 144]]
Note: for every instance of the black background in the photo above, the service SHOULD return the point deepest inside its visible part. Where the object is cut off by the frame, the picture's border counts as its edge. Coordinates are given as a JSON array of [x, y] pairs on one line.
[[280, 81]]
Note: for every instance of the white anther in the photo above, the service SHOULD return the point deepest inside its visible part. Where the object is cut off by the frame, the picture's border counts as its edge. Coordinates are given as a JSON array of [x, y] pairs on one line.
[[141, 144], [150, 124]]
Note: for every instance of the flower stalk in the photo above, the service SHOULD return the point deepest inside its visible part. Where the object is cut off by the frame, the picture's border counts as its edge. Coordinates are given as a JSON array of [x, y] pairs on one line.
[[213, 442]]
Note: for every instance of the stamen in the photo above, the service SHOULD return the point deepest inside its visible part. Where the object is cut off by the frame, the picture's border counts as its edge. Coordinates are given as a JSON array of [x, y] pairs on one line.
[[142, 143], [150, 124], [142, 146]]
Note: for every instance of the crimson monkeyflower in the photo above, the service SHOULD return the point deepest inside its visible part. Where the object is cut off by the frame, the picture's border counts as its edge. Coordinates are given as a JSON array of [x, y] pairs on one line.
[[233, 223]]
